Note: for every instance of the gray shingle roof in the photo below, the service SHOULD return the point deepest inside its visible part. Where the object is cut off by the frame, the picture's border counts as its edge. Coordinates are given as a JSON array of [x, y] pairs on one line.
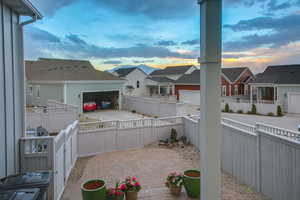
[[125, 71], [64, 70], [172, 70], [161, 79], [233, 73], [280, 74], [193, 78]]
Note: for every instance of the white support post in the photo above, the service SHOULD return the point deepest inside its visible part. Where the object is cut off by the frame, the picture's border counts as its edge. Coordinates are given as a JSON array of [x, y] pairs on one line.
[[120, 99], [210, 120], [251, 95], [158, 90]]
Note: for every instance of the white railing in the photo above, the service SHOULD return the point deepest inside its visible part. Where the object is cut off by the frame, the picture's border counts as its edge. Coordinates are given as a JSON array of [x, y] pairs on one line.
[[55, 153], [293, 135], [238, 124]]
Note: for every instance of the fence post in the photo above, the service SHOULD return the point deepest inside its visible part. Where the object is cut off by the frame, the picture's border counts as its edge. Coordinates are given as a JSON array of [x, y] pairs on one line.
[[258, 153]]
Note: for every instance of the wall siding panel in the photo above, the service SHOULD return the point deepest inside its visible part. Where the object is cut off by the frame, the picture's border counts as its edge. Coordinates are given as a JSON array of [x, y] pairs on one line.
[[11, 87]]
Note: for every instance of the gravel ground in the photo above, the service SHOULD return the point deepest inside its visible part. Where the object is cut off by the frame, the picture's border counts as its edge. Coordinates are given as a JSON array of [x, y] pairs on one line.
[[151, 165]]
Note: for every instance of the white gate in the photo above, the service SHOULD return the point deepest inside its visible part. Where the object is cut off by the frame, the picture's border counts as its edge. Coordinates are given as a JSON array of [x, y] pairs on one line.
[[190, 96], [294, 102]]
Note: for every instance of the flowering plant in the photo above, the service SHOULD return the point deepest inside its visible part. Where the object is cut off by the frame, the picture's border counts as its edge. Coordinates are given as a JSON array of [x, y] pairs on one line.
[[113, 193], [130, 184], [174, 178]]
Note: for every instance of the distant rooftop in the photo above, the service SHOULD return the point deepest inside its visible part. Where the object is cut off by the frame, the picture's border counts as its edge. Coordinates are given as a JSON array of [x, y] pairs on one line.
[[280, 74], [233, 73], [192, 78], [172, 70], [45, 69], [122, 72], [161, 79]]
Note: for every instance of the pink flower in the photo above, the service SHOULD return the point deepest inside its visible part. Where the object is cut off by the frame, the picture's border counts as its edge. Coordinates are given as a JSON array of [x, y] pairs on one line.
[[134, 178], [123, 187], [137, 184]]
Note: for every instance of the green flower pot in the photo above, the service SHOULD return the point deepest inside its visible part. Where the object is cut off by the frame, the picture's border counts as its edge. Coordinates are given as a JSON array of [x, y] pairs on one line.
[[191, 183], [93, 189]]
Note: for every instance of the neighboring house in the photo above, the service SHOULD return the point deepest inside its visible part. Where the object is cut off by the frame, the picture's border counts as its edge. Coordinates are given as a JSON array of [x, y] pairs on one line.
[[278, 85], [135, 80], [173, 72], [160, 86], [72, 82], [234, 83], [12, 112]]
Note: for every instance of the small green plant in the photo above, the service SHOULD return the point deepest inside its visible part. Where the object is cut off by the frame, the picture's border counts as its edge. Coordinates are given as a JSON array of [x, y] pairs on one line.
[[271, 114], [226, 109], [133, 111], [231, 111], [253, 109], [173, 137], [240, 111], [279, 111]]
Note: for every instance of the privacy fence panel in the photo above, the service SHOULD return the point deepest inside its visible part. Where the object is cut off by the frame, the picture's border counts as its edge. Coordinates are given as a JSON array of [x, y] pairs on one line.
[[280, 167]]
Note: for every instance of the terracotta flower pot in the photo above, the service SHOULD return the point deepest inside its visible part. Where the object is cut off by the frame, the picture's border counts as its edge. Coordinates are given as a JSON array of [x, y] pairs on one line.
[[175, 190], [131, 195]]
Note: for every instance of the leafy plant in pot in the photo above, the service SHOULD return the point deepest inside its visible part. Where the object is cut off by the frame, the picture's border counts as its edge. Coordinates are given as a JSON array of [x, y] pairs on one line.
[[115, 193], [174, 182], [131, 186]]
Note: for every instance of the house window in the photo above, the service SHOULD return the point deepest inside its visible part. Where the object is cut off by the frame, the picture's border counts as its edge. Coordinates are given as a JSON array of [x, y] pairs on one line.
[[30, 90], [38, 95], [138, 84], [236, 90], [224, 90]]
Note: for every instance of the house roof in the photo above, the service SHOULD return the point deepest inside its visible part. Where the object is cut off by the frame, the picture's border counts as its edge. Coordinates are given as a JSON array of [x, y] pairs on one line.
[[23, 7], [161, 79], [172, 70], [233, 73], [125, 71], [280, 74], [45, 69], [192, 78]]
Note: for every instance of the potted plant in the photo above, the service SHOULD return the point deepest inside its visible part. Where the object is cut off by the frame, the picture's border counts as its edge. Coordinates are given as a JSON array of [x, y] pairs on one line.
[[115, 193], [93, 189], [191, 183], [174, 183], [131, 187]]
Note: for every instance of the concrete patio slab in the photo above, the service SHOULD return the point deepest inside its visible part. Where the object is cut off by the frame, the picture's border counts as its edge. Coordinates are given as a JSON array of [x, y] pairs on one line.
[[151, 165]]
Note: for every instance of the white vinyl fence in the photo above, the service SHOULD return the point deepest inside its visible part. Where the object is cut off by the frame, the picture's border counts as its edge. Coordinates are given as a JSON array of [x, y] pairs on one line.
[[149, 106], [99, 137], [57, 154], [264, 157], [262, 108], [53, 118]]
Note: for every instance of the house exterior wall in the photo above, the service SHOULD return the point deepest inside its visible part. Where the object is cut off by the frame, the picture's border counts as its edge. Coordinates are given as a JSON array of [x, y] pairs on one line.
[[74, 90], [283, 94], [11, 90], [46, 92], [132, 78]]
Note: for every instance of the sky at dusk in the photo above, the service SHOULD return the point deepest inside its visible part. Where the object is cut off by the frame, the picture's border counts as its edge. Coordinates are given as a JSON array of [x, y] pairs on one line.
[[110, 33]]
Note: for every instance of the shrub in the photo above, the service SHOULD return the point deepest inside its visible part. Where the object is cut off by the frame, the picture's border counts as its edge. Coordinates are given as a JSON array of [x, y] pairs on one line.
[[226, 109], [231, 111], [253, 109], [133, 111], [279, 111], [270, 114], [173, 136], [240, 111]]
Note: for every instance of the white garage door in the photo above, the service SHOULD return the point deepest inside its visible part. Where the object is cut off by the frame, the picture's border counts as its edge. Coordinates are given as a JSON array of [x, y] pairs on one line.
[[294, 102], [189, 97]]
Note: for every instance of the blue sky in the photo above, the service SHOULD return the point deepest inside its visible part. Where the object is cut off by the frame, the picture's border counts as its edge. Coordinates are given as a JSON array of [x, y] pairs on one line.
[[110, 33]]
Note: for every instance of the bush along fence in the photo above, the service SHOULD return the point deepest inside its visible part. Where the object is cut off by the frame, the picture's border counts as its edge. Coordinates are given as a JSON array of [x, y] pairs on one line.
[[107, 136], [57, 154], [257, 108], [264, 157]]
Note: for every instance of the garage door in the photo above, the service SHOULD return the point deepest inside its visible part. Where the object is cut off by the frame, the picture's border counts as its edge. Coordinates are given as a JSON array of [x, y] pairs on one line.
[[102, 100], [189, 97], [294, 102]]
